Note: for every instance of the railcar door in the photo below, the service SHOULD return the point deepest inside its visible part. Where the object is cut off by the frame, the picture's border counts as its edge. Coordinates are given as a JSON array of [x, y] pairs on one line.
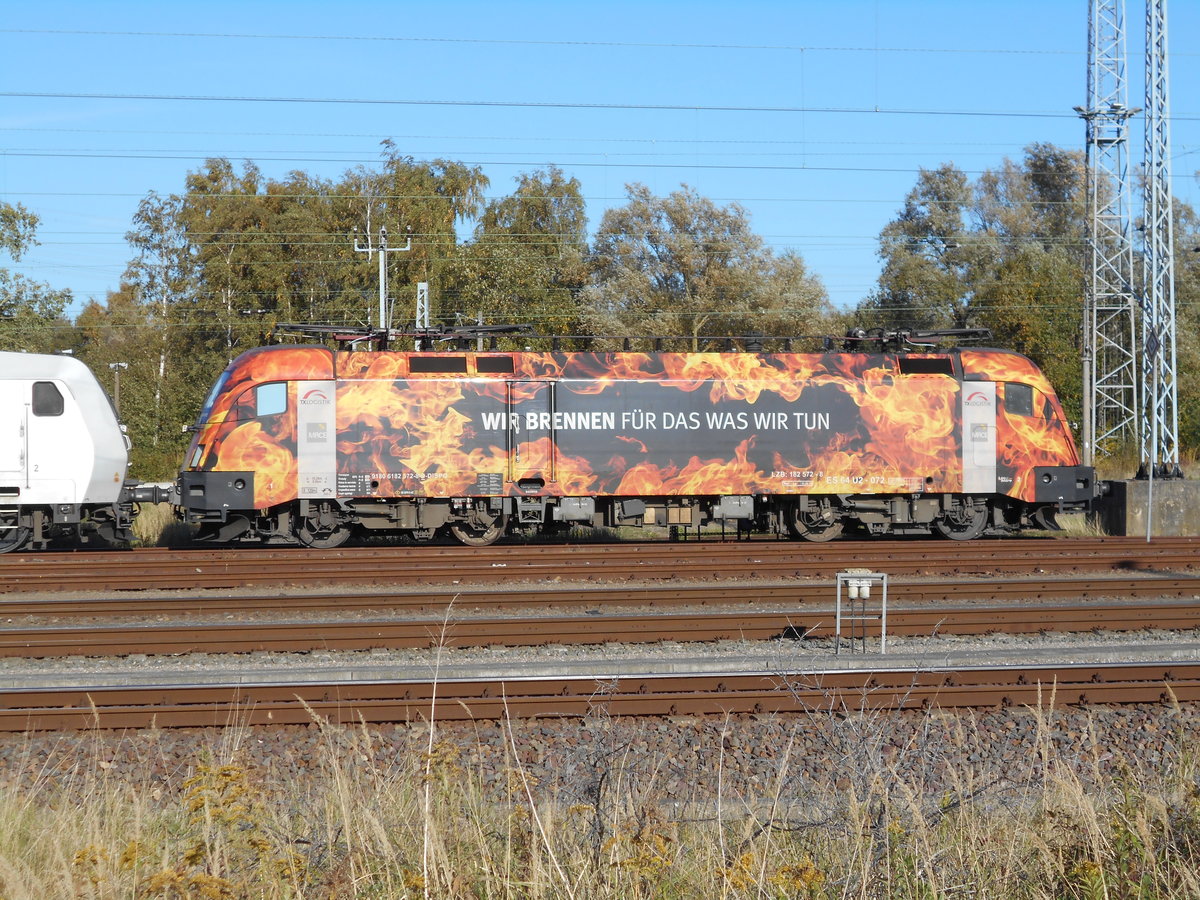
[[14, 437], [531, 431], [979, 437], [60, 447]]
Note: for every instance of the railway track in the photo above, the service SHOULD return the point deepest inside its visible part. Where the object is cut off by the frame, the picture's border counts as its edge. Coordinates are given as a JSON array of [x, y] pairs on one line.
[[350, 702], [584, 594], [407, 565], [181, 636], [594, 598]]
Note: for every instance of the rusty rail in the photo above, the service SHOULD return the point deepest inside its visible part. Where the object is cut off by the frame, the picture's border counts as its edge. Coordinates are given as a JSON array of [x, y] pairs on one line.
[[184, 705], [182, 636], [231, 568]]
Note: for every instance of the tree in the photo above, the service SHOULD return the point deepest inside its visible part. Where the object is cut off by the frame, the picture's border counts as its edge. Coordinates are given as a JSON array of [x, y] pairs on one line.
[[158, 291], [31, 313], [1187, 326], [681, 265], [932, 254], [526, 264]]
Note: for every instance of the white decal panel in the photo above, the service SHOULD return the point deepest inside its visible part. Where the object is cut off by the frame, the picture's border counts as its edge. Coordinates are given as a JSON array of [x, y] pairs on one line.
[[979, 437], [316, 439]]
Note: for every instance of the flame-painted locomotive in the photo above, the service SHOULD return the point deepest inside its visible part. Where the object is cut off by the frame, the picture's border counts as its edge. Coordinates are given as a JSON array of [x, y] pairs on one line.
[[307, 444]]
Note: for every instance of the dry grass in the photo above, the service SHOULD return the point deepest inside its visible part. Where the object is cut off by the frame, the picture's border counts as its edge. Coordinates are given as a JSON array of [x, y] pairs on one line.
[[435, 822], [156, 526]]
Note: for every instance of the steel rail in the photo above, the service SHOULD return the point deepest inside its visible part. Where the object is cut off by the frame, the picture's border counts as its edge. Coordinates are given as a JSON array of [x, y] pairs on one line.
[[505, 563], [183, 705], [43, 641]]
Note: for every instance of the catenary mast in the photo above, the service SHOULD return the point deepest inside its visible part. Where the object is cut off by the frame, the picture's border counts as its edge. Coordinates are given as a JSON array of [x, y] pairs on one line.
[[1160, 408], [1110, 389]]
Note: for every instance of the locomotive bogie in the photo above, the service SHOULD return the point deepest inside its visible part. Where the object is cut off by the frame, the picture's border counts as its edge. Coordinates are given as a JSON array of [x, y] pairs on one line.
[[308, 445]]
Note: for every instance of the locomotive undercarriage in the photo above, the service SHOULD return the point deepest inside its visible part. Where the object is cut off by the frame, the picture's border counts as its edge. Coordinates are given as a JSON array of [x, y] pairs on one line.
[[37, 527], [481, 521]]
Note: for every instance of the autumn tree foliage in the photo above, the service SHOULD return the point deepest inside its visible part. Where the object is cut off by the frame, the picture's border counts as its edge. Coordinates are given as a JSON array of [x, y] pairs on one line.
[[31, 313], [681, 265]]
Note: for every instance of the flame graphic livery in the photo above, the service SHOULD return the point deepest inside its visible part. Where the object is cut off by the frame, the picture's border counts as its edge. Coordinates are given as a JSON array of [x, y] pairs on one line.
[[626, 424]]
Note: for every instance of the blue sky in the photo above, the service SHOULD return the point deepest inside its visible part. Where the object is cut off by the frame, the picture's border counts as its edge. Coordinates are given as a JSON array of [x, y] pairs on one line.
[[814, 116]]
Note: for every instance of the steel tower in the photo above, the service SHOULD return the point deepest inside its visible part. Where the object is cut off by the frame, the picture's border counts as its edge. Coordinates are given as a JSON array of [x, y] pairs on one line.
[[1110, 382], [1160, 409]]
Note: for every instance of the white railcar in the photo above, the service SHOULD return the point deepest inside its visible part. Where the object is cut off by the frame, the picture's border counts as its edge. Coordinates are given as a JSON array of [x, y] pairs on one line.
[[63, 454]]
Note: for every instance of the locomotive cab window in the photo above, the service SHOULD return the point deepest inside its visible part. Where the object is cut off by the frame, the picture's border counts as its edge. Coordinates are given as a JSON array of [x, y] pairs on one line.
[[47, 399], [1018, 399], [271, 399], [263, 400]]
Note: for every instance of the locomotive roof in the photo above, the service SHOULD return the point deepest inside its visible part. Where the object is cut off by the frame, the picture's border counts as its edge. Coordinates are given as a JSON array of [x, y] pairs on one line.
[[41, 366]]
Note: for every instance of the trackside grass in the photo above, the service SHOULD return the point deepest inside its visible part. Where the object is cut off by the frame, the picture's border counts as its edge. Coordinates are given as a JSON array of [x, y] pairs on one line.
[[829, 805]]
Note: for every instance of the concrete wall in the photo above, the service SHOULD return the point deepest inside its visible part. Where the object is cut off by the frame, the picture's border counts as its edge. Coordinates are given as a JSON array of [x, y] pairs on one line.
[[1176, 507]]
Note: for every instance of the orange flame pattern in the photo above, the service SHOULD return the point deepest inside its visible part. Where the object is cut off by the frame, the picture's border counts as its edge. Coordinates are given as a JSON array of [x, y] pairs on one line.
[[709, 424]]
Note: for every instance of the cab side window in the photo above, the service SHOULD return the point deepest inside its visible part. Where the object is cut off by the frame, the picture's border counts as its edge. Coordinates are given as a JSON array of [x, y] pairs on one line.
[[259, 401], [47, 399], [271, 399], [1018, 399]]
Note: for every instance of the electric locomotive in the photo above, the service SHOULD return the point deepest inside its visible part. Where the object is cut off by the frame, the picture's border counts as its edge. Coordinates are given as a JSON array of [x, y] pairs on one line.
[[307, 444], [63, 456]]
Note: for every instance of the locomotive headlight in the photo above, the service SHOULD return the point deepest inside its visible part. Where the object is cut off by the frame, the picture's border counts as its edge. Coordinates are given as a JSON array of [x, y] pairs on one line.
[[240, 484], [1047, 478]]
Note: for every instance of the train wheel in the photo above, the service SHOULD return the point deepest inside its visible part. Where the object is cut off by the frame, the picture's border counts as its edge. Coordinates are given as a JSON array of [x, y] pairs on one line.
[[322, 531], [481, 530], [964, 522], [12, 536], [323, 539], [813, 526]]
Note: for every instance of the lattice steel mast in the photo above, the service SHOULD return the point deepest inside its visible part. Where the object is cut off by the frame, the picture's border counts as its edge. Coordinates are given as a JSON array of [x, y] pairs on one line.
[[1110, 388], [1160, 409]]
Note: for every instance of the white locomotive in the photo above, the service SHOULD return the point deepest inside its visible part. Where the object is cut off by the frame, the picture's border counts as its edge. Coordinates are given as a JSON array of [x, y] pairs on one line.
[[63, 455]]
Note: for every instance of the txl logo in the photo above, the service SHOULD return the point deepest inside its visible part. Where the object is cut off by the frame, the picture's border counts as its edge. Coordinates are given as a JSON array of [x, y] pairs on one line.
[[316, 395]]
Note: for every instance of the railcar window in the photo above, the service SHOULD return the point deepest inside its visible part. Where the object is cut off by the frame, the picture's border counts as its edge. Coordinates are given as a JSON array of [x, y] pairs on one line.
[[1018, 399], [939, 365], [494, 364], [271, 399], [47, 400], [437, 364]]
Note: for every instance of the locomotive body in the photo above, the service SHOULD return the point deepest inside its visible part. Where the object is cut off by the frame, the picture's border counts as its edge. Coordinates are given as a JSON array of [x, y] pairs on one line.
[[63, 454], [307, 444]]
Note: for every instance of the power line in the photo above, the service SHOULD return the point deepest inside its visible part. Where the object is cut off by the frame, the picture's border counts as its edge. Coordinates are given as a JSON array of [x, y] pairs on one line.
[[791, 48], [541, 104]]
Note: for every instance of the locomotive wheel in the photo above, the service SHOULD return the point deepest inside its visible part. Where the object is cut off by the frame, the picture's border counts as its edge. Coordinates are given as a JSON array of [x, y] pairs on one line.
[[477, 533], [311, 532], [812, 526], [963, 523], [323, 539], [12, 536]]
